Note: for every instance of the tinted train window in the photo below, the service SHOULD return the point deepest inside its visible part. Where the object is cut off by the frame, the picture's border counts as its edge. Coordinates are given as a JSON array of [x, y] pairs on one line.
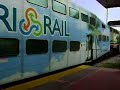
[[100, 38], [103, 26], [74, 46], [84, 17], [107, 38], [59, 46], [59, 7], [9, 47], [92, 21], [104, 38], [74, 13], [43, 3], [34, 46]]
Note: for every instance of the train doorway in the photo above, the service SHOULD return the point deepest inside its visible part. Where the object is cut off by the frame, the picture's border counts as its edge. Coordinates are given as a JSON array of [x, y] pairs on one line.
[[89, 46]]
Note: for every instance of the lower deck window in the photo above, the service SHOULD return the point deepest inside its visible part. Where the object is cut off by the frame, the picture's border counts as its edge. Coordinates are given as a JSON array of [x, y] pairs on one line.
[[100, 38], [74, 46], [34, 46], [107, 38], [9, 47], [59, 46]]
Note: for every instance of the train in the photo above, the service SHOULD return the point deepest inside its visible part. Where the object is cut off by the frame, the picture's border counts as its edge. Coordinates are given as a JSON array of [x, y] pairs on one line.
[[114, 41], [42, 36]]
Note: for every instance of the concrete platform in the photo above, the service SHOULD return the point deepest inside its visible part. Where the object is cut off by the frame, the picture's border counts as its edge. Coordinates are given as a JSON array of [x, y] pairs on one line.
[[90, 79], [80, 78]]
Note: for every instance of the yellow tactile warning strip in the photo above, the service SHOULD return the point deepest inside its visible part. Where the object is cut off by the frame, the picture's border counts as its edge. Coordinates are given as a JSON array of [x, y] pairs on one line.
[[50, 78]]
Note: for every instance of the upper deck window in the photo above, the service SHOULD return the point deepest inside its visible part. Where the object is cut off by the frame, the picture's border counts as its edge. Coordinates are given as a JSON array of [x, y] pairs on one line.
[[43, 3], [92, 21], [104, 38], [59, 7], [84, 17], [103, 26], [74, 13]]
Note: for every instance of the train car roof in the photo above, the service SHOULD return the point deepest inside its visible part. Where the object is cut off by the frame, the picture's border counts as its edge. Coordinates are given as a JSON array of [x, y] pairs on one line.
[[81, 8]]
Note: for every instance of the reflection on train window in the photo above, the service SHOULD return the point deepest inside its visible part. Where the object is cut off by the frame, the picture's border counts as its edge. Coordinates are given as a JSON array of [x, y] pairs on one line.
[[74, 46], [89, 42], [59, 46], [59, 7], [43, 3], [84, 17], [107, 38], [34, 46], [103, 26], [100, 38], [92, 21], [74, 13], [104, 38], [9, 47]]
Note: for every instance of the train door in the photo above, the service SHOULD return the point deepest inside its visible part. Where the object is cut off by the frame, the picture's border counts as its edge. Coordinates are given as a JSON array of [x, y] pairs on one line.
[[89, 47], [84, 30], [95, 47], [75, 36], [59, 35]]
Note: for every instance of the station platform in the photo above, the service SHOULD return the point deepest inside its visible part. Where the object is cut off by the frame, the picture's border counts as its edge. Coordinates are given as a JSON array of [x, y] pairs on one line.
[[80, 78]]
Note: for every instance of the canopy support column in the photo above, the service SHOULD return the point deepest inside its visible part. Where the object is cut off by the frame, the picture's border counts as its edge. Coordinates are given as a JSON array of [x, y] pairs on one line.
[[107, 16]]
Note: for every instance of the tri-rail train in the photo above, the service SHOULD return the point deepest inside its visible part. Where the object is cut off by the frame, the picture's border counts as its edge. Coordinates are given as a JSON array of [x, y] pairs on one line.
[[114, 41], [42, 36]]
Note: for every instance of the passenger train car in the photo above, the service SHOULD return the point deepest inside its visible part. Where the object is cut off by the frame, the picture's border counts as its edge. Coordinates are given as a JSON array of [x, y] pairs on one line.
[[114, 40], [41, 36]]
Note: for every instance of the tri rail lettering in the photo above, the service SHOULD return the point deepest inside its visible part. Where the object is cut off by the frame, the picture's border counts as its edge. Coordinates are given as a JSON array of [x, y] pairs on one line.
[[31, 24]]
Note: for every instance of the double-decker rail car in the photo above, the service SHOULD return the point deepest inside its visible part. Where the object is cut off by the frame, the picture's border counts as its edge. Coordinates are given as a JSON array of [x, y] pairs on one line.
[[114, 40], [41, 36]]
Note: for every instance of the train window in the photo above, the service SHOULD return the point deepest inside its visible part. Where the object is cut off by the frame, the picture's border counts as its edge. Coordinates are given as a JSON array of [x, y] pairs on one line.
[[59, 46], [84, 17], [103, 26], [43, 3], [59, 7], [74, 46], [74, 13], [107, 38], [100, 38], [9, 47], [34, 46], [92, 21], [104, 38]]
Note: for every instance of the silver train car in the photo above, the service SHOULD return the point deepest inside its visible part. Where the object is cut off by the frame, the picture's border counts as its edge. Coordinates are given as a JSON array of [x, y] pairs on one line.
[[41, 36]]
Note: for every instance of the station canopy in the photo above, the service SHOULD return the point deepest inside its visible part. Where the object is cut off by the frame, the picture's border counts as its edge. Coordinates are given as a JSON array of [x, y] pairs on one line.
[[114, 23], [111, 4]]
